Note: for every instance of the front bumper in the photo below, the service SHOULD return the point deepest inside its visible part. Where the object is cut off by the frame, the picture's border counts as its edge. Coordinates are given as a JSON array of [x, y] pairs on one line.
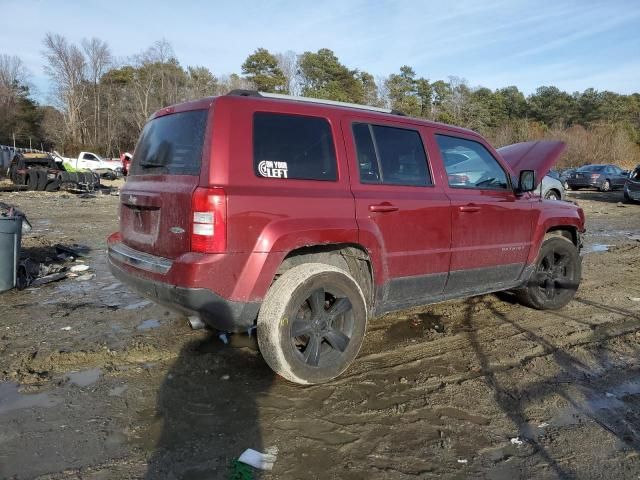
[[633, 191], [213, 309]]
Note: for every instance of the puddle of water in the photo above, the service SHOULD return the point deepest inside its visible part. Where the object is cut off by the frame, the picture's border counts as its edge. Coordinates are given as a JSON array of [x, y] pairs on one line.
[[118, 390], [12, 399], [595, 248], [84, 378], [149, 324]]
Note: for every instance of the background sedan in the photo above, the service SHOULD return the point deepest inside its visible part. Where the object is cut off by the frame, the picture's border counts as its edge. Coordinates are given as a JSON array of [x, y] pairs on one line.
[[602, 177]]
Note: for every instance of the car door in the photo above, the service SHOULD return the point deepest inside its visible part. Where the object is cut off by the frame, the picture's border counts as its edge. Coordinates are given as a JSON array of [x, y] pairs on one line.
[[490, 225], [402, 212], [88, 160]]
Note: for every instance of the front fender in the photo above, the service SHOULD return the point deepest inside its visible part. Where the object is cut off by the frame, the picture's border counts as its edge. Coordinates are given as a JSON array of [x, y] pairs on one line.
[[554, 216]]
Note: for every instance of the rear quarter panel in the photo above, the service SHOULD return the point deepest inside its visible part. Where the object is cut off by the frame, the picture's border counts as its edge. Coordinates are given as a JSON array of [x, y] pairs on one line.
[[270, 215]]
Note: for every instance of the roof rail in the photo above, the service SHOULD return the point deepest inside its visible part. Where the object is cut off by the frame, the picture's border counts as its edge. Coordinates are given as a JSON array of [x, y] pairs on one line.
[[321, 101]]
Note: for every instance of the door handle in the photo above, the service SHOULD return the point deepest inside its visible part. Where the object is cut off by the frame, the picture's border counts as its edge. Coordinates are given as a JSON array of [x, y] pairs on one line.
[[383, 207], [469, 208]]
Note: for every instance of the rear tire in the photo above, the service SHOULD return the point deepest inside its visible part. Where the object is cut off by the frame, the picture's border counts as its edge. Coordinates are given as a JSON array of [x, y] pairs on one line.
[[606, 186], [556, 277], [312, 323]]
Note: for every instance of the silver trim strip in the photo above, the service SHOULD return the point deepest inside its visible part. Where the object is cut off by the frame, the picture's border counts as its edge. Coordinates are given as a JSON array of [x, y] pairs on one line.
[[325, 102], [135, 258]]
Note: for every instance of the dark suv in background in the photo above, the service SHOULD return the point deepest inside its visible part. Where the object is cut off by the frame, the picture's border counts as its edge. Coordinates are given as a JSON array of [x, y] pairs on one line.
[[308, 219], [632, 186]]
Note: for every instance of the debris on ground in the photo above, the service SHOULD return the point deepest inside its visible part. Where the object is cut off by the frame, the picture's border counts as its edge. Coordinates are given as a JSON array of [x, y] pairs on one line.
[[195, 322], [261, 461], [516, 441], [240, 471], [75, 249]]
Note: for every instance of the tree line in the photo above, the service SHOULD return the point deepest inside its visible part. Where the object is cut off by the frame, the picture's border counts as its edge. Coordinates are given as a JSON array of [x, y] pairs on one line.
[[101, 104]]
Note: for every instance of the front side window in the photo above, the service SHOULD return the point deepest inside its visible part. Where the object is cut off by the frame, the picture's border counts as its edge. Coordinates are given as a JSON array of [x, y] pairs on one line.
[[88, 156], [390, 155], [292, 146], [470, 165]]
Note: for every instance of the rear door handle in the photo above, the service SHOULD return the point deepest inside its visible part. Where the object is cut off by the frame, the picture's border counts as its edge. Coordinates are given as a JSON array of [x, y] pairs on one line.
[[469, 208], [383, 207]]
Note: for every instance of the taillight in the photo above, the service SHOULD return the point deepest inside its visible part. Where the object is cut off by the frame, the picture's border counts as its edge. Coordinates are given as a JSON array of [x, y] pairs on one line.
[[209, 220]]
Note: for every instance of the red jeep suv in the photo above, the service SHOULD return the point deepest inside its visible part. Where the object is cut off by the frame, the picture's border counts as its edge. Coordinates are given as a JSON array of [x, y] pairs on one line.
[[309, 218]]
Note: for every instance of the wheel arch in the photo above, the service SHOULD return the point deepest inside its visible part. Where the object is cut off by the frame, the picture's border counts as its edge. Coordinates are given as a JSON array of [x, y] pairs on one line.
[[353, 258], [566, 231], [553, 190]]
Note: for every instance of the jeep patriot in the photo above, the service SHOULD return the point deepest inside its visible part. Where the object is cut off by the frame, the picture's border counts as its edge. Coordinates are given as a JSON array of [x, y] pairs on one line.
[[307, 219]]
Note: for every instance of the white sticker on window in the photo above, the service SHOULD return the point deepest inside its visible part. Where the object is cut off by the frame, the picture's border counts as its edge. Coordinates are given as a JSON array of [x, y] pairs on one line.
[[270, 169]]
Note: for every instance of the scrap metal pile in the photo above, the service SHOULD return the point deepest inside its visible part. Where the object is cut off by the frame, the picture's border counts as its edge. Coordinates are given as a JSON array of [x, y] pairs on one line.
[[40, 171]]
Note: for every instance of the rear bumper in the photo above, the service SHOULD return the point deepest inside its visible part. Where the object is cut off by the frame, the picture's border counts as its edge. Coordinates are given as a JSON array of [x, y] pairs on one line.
[[584, 183], [213, 309]]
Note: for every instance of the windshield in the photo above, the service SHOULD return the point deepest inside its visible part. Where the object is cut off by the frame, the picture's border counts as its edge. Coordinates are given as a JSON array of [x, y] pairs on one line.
[[171, 145]]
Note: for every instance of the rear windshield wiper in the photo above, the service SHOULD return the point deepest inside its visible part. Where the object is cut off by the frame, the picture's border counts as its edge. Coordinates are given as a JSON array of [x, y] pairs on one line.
[[152, 165]]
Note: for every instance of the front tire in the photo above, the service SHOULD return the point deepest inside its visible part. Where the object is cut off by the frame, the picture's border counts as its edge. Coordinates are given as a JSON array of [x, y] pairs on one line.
[[556, 277], [312, 323], [552, 195]]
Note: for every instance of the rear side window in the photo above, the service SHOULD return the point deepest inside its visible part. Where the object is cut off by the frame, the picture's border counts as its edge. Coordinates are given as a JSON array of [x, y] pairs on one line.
[[292, 146], [470, 165], [390, 155], [171, 145]]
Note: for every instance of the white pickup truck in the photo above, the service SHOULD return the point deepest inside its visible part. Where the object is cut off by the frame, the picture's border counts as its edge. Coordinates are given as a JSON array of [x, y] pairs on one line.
[[93, 162]]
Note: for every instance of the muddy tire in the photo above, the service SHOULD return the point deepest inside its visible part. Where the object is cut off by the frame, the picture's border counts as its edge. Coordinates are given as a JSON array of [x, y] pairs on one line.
[[312, 323], [556, 277]]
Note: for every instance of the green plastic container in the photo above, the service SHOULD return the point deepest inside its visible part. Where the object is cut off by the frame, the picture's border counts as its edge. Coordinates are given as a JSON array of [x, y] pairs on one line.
[[10, 239]]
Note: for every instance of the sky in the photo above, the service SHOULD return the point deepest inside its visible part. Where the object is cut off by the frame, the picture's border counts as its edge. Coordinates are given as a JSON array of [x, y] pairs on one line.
[[573, 45]]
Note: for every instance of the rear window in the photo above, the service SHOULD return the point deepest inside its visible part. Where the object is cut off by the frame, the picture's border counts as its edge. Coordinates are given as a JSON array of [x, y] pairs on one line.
[[592, 168], [291, 146], [171, 145]]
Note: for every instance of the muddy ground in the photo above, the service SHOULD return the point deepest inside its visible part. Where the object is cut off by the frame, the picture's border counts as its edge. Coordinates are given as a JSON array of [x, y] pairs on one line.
[[96, 383]]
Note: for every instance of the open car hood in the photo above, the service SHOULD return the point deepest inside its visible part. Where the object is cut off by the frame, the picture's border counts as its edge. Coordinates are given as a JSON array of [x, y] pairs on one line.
[[539, 156]]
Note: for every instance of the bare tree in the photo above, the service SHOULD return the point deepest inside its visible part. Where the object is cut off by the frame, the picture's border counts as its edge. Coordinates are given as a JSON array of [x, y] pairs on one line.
[[13, 78], [12, 73], [288, 63], [66, 68], [99, 59]]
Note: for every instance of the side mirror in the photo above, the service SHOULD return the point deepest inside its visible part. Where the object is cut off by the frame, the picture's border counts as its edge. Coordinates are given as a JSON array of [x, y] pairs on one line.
[[526, 181]]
